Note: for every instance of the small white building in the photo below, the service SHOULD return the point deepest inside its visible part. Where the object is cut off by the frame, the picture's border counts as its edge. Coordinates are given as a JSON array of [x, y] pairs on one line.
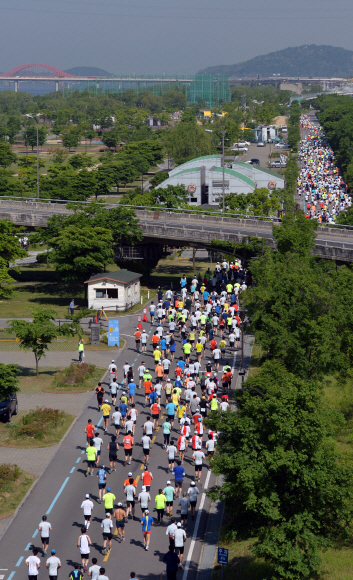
[[113, 290]]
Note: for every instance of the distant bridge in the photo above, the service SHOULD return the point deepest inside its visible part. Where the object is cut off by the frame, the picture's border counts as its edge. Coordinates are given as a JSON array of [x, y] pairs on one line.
[[172, 228]]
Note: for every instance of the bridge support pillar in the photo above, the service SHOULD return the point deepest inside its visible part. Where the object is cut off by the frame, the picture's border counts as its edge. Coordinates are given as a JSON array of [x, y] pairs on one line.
[[16, 86], [56, 86]]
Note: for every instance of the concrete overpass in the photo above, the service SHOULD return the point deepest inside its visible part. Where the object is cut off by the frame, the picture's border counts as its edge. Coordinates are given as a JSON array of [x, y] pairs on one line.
[[172, 228]]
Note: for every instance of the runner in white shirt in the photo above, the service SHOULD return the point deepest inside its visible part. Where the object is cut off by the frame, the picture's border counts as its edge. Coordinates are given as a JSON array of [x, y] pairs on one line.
[[141, 370], [224, 405], [144, 341], [53, 564], [87, 506], [116, 416], [84, 543], [33, 564]]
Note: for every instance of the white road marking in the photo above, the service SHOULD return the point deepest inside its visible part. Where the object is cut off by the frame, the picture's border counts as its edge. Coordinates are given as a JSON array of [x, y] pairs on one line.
[[194, 536]]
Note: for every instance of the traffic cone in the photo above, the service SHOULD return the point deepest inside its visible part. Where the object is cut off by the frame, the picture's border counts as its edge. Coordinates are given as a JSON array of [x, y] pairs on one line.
[[139, 325], [145, 319]]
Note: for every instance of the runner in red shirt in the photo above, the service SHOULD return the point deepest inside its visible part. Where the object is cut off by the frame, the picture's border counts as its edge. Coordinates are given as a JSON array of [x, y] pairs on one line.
[[89, 430], [155, 409], [128, 445], [146, 479], [147, 385]]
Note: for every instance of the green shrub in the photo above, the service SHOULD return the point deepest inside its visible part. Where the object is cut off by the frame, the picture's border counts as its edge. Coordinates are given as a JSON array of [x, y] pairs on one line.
[[8, 474], [38, 422], [74, 375]]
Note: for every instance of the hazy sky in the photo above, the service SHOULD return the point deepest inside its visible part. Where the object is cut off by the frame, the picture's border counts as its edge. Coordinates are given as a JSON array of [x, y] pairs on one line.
[[164, 36]]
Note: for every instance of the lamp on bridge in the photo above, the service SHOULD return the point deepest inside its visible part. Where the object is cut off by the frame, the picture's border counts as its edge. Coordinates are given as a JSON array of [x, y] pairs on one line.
[[36, 118]]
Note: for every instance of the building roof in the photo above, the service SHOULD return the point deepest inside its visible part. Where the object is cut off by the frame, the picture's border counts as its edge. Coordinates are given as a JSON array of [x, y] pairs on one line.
[[121, 276], [190, 170], [233, 173], [257, 168]]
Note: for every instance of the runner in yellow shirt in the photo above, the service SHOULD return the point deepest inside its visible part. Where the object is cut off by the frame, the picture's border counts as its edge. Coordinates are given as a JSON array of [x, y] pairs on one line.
[[157, 354], [106, 412]]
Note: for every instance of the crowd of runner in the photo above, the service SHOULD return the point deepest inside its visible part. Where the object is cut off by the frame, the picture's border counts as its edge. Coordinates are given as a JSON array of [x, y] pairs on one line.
[[174, 394], [319, 182]]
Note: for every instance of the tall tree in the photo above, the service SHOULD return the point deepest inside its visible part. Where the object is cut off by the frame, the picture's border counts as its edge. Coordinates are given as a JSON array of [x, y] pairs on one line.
[[8, 380], [7, 157], [79, 252], [282, 484]]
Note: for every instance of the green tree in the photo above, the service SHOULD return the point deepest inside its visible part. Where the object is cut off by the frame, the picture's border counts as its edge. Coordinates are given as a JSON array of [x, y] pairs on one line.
[[8, 380], [7, 284], [80, 252], [70, 139], [13, 127], [90, 134], [58, 155], [7, 157], [111, 139], [30, 136], [282, 482], [80, 160], [261, 202], [10, 247], [170, 196], [159, 178], [28, 161], [123, 172], [37, 335]]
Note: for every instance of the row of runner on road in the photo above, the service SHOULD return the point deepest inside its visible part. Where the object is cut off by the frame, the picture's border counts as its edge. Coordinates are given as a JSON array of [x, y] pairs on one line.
[[171, 395], [319, 181]]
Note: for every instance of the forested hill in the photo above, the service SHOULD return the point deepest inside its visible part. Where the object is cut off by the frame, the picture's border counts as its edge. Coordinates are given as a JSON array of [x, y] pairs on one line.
[[309, 60], [88, 71]]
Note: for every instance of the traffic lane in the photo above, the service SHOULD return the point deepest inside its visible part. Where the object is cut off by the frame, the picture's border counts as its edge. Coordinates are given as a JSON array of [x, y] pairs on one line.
[[329, 241], [71, 487]]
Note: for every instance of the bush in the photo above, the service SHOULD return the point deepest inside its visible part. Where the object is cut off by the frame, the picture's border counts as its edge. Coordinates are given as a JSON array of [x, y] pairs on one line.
[[8, 474], [74, 375], [37, 423]]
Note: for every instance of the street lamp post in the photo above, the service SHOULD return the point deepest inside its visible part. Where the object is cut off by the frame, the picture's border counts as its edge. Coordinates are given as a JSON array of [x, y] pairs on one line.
[[36, 118], [223, 187]]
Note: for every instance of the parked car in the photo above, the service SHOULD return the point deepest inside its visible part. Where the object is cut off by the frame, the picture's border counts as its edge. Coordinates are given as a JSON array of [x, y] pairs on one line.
[[261, 144], [281, 145], [277, 164], [8, 407], [239, 149], [255, 161]]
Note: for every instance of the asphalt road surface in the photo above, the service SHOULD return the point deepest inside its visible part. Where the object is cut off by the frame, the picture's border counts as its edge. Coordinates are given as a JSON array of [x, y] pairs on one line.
[[63, 486]]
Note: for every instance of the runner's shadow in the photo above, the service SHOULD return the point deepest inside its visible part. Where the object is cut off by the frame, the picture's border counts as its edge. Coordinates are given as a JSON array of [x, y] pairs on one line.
[[71, 563], [77, 525], [136, 542], [159, 554]]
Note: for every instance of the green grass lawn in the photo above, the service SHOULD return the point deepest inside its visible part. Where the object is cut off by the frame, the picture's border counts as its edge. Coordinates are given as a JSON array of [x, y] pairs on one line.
[[172, 268], [12, 493]]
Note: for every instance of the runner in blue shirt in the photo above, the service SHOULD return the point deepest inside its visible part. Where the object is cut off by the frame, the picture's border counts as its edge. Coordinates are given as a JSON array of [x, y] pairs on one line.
[[178, 473], [205, 296], [153, 396], [171, 408], [163, 344], [102, 482], [132, 387], [183, 282], [123, 410], [147, 523]]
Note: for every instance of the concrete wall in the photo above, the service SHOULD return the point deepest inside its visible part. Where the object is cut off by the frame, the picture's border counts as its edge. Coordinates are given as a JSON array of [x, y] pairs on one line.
[[295, 88]]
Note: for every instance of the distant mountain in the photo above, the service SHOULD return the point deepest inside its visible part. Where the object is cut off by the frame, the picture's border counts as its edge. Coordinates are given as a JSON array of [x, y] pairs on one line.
[[88, 71], [309, 60]]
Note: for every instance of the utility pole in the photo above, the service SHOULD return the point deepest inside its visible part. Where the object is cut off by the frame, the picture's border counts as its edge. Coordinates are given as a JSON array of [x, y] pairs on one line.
[[223, 186], [36, 118]]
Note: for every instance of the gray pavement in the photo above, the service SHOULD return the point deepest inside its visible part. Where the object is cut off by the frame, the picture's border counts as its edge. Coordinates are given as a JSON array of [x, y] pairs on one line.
[[61, 489]]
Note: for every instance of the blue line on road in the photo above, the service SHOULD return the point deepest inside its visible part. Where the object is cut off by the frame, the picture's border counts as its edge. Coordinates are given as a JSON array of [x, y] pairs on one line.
[[73, 469], [11, 575], [35, 533], [57, 495], [78, 460], [28, 546], [100, 420], [19, 561], [82, 452]]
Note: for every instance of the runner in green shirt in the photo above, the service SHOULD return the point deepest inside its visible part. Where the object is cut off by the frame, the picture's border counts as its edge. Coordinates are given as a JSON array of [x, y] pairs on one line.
[[109, 499], [160, 501], [91, 453]]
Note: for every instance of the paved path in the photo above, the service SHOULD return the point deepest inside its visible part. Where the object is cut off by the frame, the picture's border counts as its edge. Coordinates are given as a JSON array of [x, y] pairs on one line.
[[61, 489]]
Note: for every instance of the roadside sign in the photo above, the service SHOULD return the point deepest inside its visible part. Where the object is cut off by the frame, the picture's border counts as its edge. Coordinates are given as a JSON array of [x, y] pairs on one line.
[[113, 333], [222, 557]]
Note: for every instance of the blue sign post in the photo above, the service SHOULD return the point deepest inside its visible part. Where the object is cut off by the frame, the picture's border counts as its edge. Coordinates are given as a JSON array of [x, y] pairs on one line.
[[113, 333], [222, 558]]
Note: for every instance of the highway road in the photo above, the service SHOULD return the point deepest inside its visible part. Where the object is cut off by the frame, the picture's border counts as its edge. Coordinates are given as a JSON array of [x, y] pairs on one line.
[[63, 486]]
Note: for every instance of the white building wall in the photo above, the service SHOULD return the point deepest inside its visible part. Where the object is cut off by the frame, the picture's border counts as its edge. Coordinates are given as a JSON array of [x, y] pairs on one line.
[[190, 179], [126, 294]]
